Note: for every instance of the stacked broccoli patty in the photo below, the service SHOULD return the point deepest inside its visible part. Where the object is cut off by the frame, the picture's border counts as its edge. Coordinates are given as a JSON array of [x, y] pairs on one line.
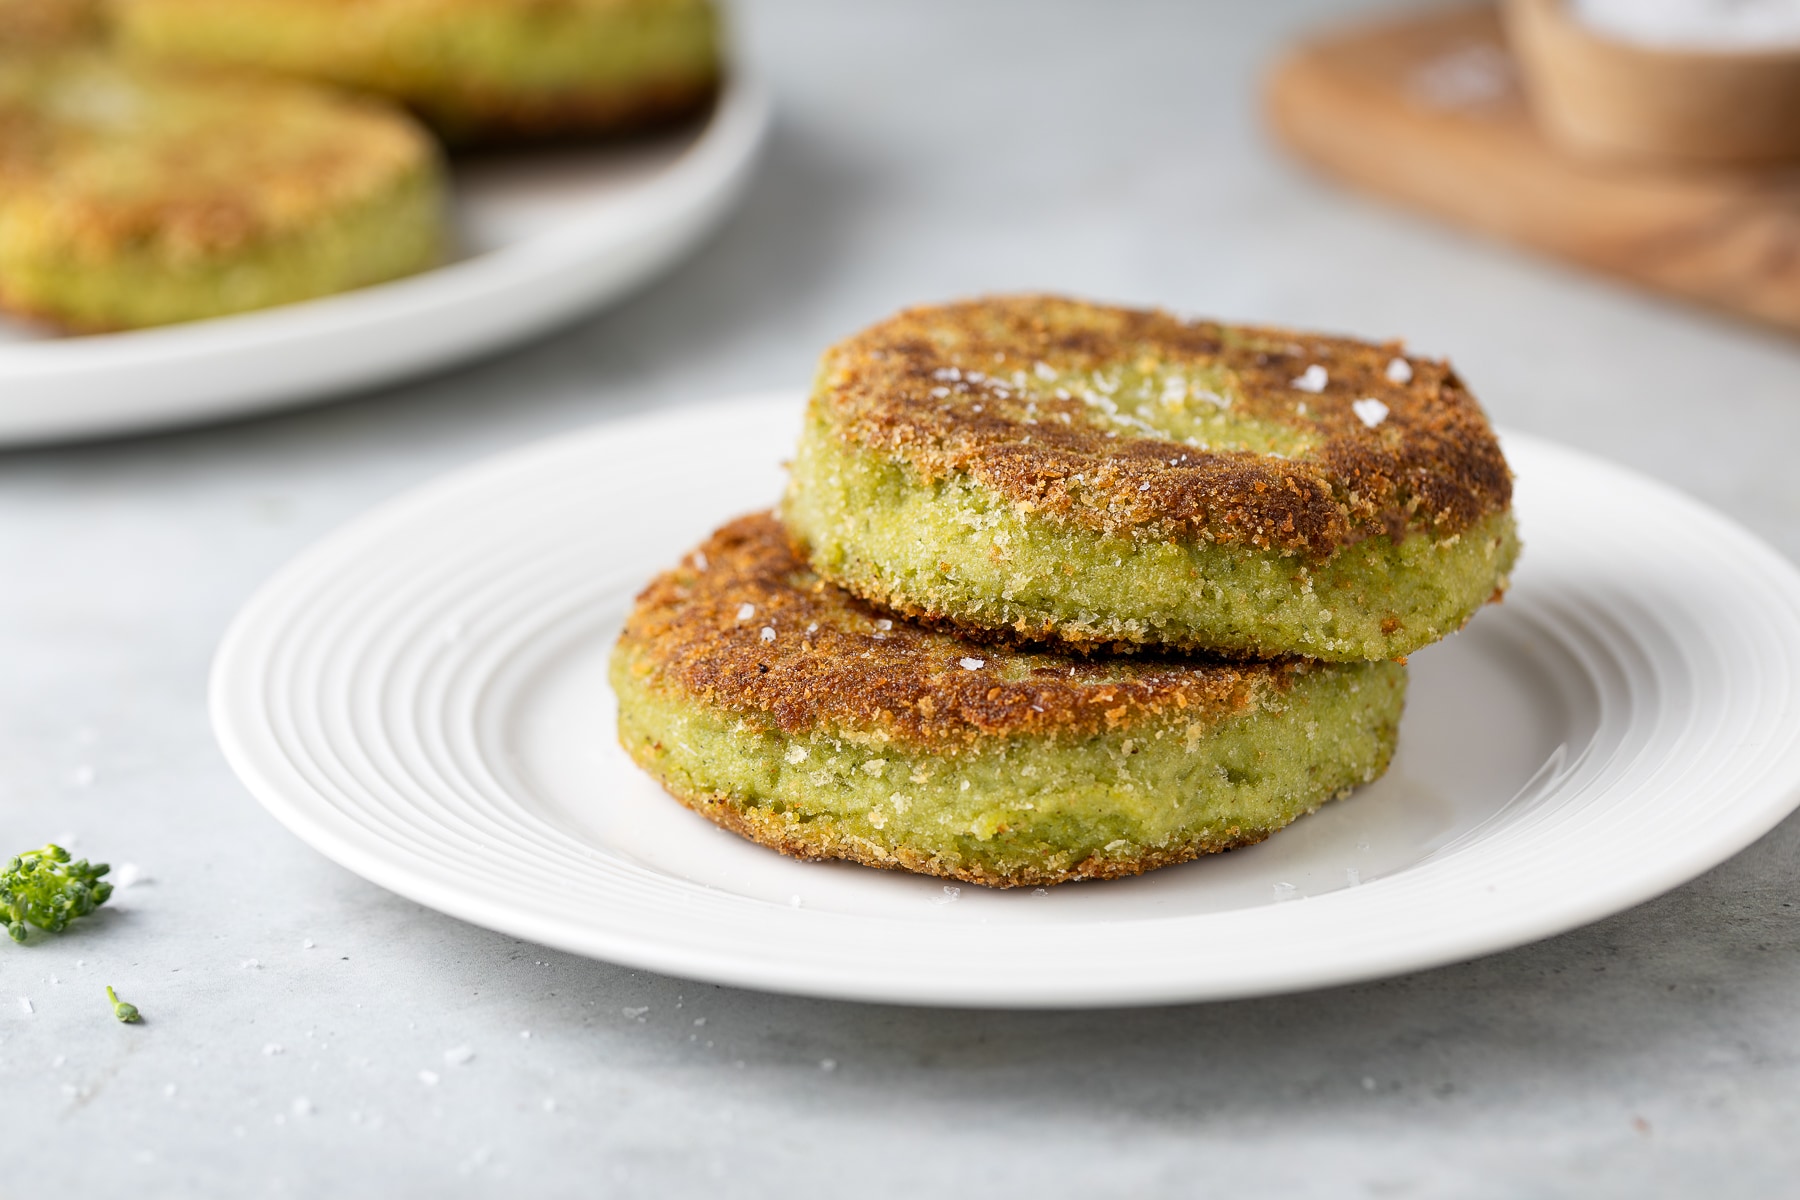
[[173, 160], [1061, 591], [1050, 469], [475, 70]]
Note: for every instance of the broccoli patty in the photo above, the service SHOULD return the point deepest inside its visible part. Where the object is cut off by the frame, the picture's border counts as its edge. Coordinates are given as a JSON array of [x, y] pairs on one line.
[[787, 710], [132, 196], [476, 70], [1049, 469]]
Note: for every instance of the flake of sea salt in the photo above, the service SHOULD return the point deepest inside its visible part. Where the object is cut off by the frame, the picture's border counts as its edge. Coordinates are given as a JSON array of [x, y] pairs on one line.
[[1284, 891], [768, 634], [428, 1078], [457, 1056], [636, 1014], [1313, 379], [949, 896], [1399, 370], [746, 611], [127, 875], [1370, 411], [302, 1107], [972, 664]]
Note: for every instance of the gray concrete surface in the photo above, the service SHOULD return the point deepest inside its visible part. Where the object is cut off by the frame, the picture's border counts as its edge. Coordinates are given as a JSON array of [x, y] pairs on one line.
[[926, 148]]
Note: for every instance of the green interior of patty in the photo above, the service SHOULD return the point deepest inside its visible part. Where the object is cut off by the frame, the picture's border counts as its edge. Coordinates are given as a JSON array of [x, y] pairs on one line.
[[432, 53], [951, 548], [1027, 809], [396, 231]]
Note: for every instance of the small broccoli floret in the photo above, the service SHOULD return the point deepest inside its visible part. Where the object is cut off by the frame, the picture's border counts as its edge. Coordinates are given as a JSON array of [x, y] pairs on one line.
[[122, 1009], [44, 888]]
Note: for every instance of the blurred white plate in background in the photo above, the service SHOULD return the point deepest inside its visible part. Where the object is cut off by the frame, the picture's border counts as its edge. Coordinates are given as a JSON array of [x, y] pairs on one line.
[[423, 699], [545, 236]]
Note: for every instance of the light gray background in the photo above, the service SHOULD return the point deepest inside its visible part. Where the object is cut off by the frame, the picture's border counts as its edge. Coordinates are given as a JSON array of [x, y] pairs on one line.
[[924, 150]]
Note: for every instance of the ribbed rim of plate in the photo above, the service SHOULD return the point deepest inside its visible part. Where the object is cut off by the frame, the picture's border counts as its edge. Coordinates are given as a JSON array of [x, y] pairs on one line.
[[350, 715]]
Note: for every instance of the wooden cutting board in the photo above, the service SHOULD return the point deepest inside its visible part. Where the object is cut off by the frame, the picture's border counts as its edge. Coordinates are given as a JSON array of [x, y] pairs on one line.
[[1425, 110]]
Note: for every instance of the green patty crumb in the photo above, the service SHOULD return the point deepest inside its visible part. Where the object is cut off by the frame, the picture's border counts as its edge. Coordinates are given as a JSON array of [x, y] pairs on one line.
[[786, 710], [132, 196], [1049, 469]]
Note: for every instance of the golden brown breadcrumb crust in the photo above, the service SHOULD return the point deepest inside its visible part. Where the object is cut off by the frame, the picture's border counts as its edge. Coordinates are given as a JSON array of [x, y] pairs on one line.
[[817, 841], [829, 661], [1433, 463]]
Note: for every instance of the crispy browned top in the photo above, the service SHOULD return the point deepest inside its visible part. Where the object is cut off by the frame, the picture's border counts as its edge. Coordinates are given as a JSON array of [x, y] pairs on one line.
[[743, 625], [1077, 410], [102, 156]]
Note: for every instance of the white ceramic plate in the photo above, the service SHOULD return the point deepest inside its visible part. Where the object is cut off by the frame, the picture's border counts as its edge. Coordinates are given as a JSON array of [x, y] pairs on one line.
[[423, 699], [546, 236]]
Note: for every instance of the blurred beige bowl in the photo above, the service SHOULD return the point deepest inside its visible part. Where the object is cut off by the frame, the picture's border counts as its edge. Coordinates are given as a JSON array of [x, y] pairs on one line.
[[1601, 97]]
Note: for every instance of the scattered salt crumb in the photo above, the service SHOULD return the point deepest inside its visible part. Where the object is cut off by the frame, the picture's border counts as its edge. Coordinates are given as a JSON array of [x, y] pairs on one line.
[[700, 560], [24, 1005], [796, 755], [428, 1078], [456, 1056], [1399, 370], [746, 611], [699, 1021], [1284, 891], [972, 664], [250, 964], [302, 1107], [1144, 487], [636, 1014], [1313, 379], [272, 1048], [813, 628], [949, 897], [828, 1064], [1352, 876], [793, 901], [884, 623], [1040, 891], [768, 634], [1370, 411], [306, 944], [526, 1034]]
